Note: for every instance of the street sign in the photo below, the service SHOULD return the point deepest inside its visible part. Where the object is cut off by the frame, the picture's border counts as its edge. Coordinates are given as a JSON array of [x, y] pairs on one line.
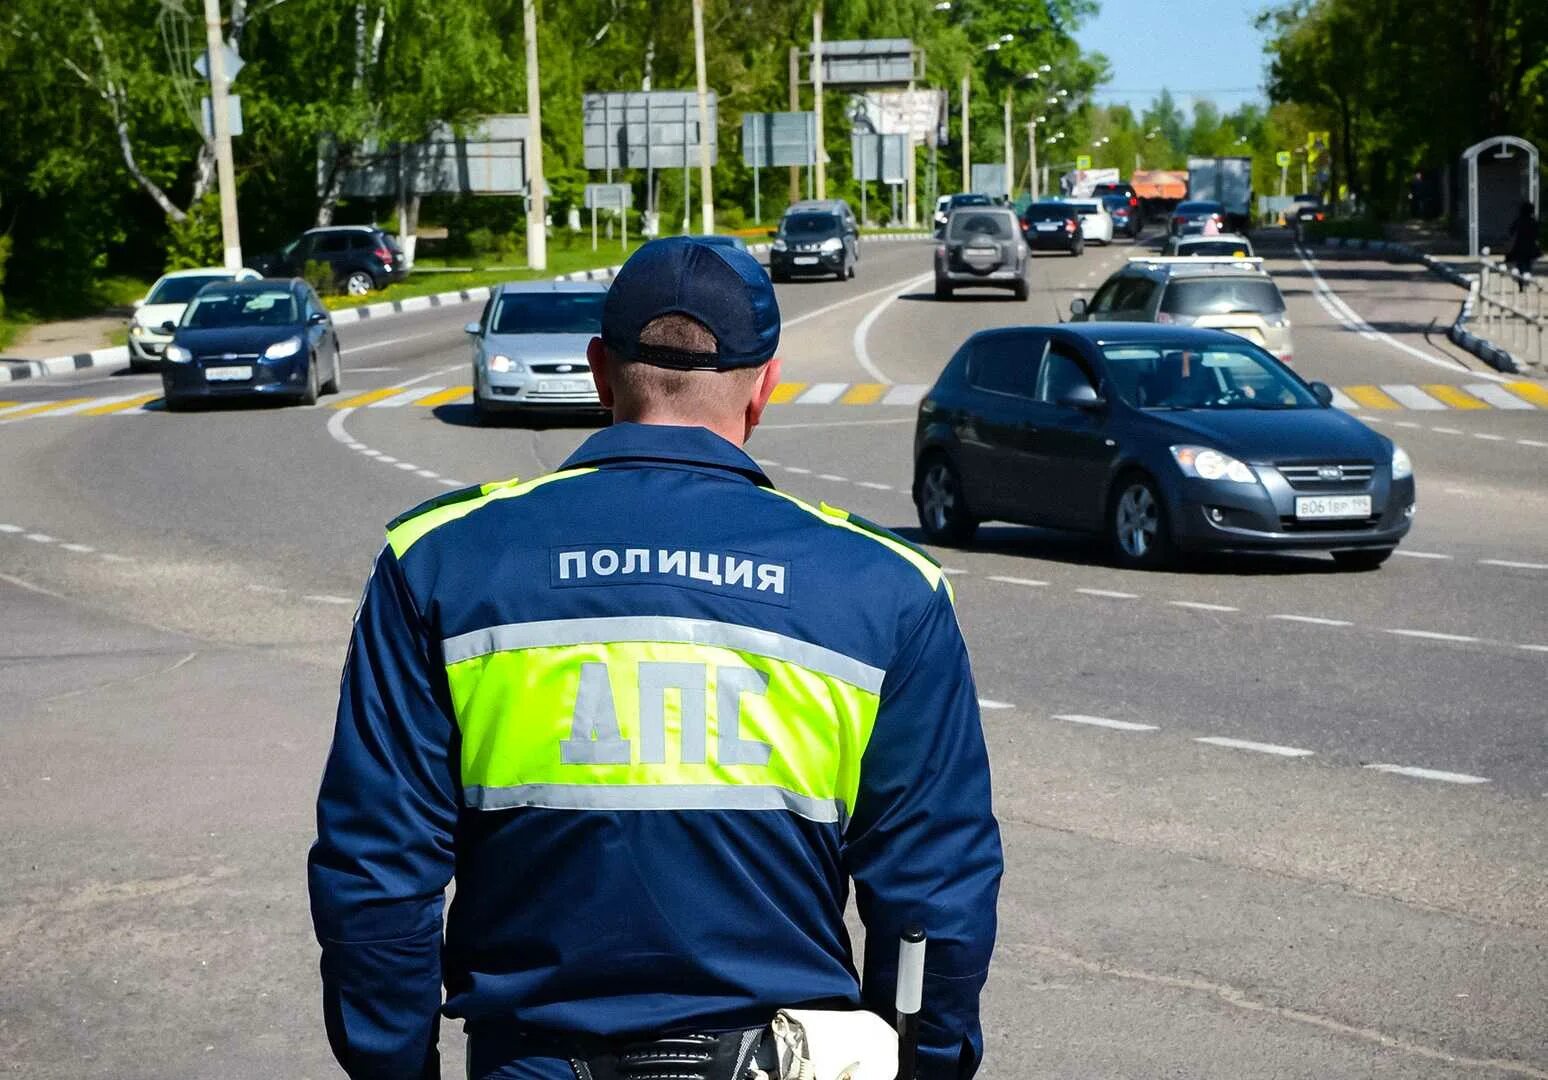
[[609, 196], [489, 158], [645, 129], [233, 115], [230, 62], [878, 157], [878, 61], [1317, 143], [1082, 162], [988, 179], [779, 139], [1282, 159]]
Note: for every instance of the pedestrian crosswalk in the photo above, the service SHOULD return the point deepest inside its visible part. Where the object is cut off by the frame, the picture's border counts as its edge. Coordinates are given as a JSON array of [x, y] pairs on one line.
[[1520, 395]]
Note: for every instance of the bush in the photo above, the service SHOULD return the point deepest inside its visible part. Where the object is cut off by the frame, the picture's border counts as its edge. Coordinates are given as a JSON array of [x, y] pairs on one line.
[[5, 253], [730, 216], [319, 275], [196, 241]]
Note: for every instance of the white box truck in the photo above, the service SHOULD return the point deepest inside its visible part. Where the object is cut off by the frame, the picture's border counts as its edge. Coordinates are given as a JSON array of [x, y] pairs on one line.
[[1227, 181]]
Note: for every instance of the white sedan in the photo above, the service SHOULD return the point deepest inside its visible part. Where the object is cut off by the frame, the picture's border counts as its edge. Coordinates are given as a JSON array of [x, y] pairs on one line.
[[1096, 224], [164, 304]]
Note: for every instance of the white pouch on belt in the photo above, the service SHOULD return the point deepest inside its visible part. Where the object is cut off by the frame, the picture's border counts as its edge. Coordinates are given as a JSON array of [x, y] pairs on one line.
[[820, 1044]]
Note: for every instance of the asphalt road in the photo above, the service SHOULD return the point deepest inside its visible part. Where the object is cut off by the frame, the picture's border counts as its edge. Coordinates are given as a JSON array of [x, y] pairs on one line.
[[1212, 869]]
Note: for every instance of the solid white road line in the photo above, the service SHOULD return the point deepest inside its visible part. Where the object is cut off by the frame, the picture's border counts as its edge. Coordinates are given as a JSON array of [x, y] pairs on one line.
[[1198, 606], [1312, 620], [1430, 774], [1497, 396], [1104, 722], [1512, 564], [1433, 635], [1256, 747], [863, 328], [786, 324], [1110, 594], [1029, 582]]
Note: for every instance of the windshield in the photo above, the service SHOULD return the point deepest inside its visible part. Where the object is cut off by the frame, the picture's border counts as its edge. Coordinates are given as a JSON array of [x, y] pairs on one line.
[[810, 224], [272, 307], [1216, 376], [549, 313], [1229, 248], [980, 224], [180, 290], [970, 200], [1222, 296], [1048, 212]]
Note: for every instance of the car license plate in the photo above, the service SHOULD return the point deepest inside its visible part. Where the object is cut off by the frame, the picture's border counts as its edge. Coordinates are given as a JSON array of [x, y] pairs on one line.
[[1047, 226], [1312, 507], [566, 386], [228, 374], [805, 260]]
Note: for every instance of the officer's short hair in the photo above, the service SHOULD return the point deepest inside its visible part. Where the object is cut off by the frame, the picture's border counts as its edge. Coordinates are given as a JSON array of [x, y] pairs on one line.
[[685, 392]]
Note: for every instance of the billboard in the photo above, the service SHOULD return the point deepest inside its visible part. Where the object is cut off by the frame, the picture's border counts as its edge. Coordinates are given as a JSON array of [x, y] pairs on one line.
[[918, 113], [640, 129], [879, 61], [782, 138], [488, 158]]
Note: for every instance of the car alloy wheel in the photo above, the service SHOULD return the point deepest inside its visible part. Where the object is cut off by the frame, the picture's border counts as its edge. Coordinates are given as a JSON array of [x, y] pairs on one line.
[[358, 283], [1138, 521], [942, 509]]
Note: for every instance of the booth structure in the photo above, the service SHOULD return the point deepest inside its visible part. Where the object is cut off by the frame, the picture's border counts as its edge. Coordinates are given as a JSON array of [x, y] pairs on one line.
[[1497, 184]]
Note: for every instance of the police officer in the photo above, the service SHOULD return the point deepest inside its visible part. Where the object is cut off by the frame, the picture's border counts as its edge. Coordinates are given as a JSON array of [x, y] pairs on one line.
[[653, 715]]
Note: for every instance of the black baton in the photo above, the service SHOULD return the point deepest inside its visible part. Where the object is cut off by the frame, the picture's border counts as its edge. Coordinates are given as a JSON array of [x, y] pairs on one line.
[[911, 962]]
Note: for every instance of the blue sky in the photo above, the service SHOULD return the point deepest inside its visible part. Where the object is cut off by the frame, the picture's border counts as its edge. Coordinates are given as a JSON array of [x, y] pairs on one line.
[[1198, 48]]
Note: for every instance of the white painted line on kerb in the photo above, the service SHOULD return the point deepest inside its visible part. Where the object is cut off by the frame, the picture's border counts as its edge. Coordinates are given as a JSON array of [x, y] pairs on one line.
[[1256, 747], [1028, 582], [1196, 605], [990, 703], [1430, 774], [1312, 620], [1433, 635], [1420, 554], [1110, 594], [1104, 722], [823, 393], [1513, 565]]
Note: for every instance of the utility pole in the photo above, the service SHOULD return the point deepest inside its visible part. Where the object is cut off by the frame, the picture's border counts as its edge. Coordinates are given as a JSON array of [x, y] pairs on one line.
[[1010, 153], [706, 184], [537, 204], [822, 157], [220, 122], [967, 153], [795, 106], [1032, 158]]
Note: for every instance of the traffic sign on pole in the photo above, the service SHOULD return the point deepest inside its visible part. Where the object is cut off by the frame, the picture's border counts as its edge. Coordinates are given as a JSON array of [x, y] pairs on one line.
[[1282, 159], [231, 63], [1082, 161]]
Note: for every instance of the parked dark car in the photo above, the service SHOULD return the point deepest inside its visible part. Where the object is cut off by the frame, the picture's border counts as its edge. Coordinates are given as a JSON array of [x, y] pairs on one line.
[[1159, 438], [813, 242], [982, 247], [1125, 213], [1196, 217], [1053, 225], [363, 257], [263, 338]]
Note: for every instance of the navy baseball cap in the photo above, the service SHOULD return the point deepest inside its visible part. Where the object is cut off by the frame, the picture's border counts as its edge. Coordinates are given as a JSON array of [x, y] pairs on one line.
[[723, 288]]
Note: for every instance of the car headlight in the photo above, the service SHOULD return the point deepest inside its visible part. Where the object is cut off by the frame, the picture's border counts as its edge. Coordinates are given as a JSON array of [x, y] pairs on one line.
[[281, 349], [1402, 467], [830, 245], [1209, 464], [501, 364], [778, 244], [177, 354], [136, 330]]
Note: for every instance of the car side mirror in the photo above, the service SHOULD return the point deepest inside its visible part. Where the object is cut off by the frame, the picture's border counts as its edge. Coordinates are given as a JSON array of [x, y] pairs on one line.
[[1323, 391], [1078, 307], [471, 328], [168, 327], [316, 318], [1084, 398]]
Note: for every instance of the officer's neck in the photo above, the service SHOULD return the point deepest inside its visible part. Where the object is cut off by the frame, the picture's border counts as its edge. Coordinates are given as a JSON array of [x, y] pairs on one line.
[[734, 430]]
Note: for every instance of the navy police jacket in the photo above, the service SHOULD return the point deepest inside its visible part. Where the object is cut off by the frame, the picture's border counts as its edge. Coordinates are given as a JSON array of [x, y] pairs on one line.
[[653, 716]]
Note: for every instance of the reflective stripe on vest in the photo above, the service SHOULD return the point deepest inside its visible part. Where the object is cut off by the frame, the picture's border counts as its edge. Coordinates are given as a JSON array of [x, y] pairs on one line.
[[646, 713]]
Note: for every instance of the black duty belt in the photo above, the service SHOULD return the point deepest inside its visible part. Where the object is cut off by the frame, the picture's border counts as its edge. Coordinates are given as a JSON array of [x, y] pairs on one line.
[[684, 1057]]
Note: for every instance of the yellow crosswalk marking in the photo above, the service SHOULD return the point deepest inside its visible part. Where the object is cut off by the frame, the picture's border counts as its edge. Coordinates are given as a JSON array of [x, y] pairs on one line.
[[1371, 397], [787, 392], [1536, 393], [122, 406], [44, 407], [445, 397], [865, 393], [8, 404], [1454, 396], [370, 396]]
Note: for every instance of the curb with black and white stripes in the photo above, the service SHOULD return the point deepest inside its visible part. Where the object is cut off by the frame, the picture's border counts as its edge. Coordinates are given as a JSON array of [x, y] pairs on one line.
[[14, 370]]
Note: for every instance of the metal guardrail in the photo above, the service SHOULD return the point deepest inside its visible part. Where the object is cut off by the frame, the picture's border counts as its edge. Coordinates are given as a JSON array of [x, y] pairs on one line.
[[1511, 311]]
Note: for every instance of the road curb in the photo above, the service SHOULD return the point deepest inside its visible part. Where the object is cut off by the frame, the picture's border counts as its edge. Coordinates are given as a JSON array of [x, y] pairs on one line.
[[15, 370]]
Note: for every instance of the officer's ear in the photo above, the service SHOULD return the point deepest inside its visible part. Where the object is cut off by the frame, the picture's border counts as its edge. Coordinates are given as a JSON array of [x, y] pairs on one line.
[[596, 356], [763, 389]]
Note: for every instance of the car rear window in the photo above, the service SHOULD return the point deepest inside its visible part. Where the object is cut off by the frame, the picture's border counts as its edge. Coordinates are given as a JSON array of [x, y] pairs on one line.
[[975, 224], [1229, 248], [970, 200], [1048, 212], [549, 313], [810, 224], [1221, 296]]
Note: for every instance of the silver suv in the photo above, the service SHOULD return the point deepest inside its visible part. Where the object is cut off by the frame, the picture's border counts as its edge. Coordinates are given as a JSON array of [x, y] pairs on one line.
[[981, 246]]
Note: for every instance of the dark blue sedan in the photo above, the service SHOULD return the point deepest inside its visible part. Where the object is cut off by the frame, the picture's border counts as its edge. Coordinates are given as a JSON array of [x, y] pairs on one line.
[[266, 338], [1159, 438]]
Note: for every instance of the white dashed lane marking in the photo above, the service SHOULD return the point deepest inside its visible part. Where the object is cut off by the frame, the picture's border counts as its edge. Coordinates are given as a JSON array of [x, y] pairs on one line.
[[1105, 722], [1434, 635], [1109, 594], [1027, 582], [1196, 605], [1430, 774], [1420, 554], [990, 703], [1255, 747], [1313, 620]]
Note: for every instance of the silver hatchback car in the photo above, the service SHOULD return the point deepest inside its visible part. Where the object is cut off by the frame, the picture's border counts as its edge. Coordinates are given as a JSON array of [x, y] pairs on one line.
[[981, 246], [529, 348]]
